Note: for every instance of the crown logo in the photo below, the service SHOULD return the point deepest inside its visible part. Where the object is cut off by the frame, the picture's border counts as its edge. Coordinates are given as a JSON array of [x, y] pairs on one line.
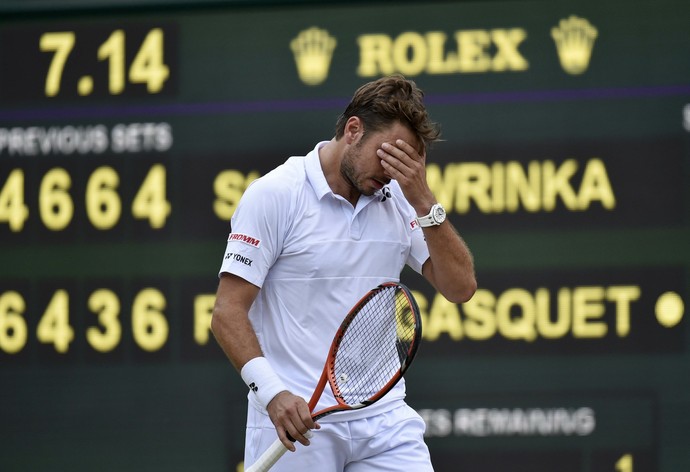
[[574, 38], [313, 50]]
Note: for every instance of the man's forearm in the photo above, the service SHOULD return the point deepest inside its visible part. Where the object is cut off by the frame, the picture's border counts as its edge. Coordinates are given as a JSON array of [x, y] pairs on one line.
[[451, 266]]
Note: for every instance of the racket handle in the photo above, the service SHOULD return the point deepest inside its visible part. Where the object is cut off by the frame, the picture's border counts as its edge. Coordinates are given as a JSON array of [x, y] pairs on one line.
[[271, 456]]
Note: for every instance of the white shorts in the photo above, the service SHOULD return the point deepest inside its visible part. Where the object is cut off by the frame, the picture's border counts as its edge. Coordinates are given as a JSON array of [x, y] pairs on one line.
[[392, 441]]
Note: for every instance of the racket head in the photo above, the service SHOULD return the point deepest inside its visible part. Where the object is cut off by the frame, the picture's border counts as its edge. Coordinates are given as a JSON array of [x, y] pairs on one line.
[[373, 347]]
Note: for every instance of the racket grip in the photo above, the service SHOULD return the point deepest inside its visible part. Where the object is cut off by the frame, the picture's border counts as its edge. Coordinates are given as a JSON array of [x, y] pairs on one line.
[[271, 455]]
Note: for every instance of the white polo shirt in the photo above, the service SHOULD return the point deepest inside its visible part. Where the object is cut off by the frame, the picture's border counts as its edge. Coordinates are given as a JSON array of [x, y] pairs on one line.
[[314, 256]]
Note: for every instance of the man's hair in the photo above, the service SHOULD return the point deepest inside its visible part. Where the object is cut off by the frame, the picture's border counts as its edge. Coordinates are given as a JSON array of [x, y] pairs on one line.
[[389, 99]]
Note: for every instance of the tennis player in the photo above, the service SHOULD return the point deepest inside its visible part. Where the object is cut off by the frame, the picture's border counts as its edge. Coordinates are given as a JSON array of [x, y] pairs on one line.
[[308, 240]]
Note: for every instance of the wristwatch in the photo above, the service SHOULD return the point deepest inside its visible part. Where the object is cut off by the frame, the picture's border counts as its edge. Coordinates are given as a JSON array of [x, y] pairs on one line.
[[436, 216]]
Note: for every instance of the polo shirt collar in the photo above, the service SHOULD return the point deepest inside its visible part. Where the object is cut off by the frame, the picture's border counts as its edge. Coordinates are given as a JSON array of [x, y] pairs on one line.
[[315, 173]]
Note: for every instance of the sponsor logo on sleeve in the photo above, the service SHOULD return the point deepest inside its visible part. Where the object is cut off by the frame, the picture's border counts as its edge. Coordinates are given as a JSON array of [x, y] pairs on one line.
[[244, 239], [231, 256]]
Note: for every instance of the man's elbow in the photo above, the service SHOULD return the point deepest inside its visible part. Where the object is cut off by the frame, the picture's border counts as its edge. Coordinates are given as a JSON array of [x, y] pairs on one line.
[[462, 293], [216, 322]]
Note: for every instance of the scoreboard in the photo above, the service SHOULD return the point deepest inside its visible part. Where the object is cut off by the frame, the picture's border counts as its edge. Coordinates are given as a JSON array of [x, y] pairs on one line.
[[128, 133]]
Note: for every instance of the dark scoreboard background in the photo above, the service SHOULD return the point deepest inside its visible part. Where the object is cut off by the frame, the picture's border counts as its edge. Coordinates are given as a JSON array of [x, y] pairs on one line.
[[128, 132]]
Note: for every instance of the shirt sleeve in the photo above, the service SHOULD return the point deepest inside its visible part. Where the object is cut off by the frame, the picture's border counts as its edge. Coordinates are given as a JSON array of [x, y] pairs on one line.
[[419, 251], [257, 232]]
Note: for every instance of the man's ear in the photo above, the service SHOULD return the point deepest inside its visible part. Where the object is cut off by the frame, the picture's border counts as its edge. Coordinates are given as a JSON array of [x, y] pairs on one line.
[[354, 130]]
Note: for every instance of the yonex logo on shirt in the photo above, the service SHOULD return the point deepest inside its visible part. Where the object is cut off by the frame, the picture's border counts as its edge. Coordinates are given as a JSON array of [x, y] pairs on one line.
[[239, 258], [385, 194], [245, 239]]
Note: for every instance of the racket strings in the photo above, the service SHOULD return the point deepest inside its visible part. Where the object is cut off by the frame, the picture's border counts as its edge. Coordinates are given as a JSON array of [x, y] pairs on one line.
[[375, 346]]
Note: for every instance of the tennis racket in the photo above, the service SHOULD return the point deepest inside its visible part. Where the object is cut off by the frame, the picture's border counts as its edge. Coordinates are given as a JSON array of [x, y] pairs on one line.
[[371, 351]]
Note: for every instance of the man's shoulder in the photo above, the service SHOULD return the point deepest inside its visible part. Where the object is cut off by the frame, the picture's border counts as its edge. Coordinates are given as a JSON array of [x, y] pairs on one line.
[[286, 178]]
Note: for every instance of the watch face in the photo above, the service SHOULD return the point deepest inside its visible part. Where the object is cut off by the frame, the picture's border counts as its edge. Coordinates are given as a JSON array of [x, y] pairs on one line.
[[439, 214]]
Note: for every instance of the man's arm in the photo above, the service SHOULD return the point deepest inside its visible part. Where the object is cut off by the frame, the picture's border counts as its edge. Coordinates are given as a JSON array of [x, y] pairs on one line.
[[234, 332], [230, 322], [450, 267]]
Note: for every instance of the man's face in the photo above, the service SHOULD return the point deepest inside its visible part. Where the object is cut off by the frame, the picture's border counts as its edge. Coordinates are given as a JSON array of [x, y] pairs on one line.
[[361, 167]]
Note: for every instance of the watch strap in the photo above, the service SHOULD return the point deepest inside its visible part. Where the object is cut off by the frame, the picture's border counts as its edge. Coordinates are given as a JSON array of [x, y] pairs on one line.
[[426, 221]]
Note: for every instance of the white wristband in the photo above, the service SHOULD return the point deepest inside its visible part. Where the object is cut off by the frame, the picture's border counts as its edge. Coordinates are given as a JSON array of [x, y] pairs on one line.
[[262, 380]]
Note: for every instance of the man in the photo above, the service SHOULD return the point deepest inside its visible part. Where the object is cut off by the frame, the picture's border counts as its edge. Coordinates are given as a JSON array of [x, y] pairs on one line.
[[308, 240]]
